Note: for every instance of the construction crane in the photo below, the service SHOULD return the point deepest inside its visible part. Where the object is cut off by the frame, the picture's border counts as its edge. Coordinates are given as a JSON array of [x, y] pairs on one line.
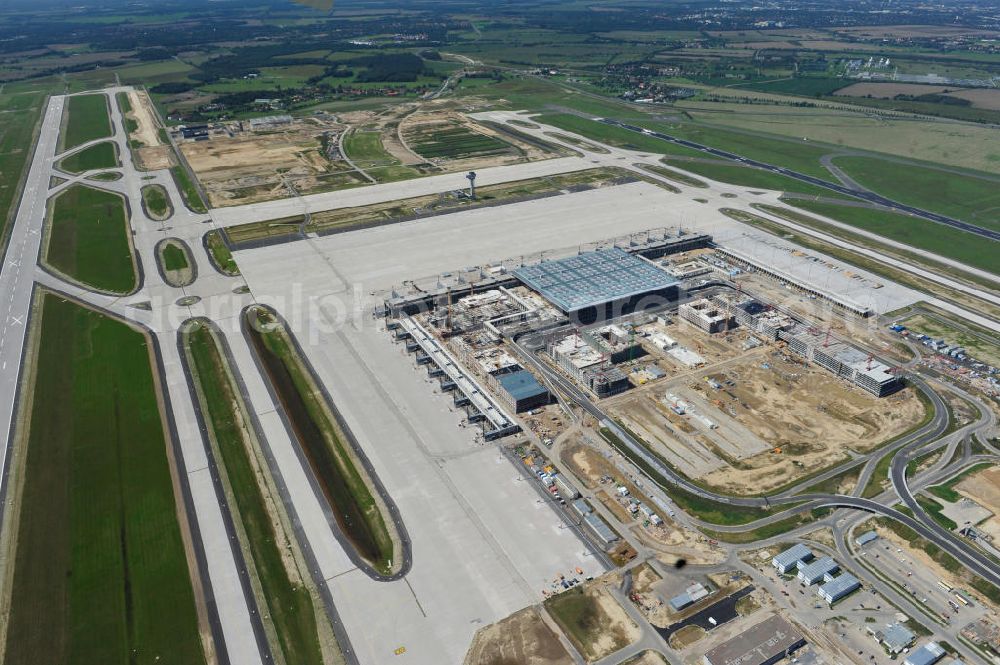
[[871, 357], [826, 342]]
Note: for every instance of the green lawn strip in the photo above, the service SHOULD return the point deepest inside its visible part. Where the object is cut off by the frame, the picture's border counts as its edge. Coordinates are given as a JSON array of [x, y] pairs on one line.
[[941, 557], [220, 254], [174, 257], [746, 176], [124, 105], [323, 442], [768, 530], [677, 176], [975, 200], [100, 571], [99, 156], [615, 136], [289, 605], [392, 173], [192, 198], [775, 150], [879, 475], [155, 198], [365, 149], [970, 249], [89, 239], [946, 490], [87, 120]]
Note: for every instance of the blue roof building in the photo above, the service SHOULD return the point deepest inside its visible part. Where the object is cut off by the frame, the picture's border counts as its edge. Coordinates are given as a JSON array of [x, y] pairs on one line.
[[522, 391], [928, 654], [788, 559]]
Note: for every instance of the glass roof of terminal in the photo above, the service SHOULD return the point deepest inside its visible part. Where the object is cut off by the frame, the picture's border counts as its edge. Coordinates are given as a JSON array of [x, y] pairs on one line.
[[593, 278]]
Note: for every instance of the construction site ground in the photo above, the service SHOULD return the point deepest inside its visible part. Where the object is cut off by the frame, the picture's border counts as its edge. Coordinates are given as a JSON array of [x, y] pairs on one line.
[[592, 618], [780, 420], [238, 167], [669, 540], [984, 488], [522, 638], [151, 152]]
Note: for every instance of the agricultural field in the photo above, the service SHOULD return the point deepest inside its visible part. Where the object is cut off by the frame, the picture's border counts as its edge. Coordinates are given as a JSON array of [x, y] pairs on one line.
[[100, 156], [972, 250], [89, 239], [454, 141], [287, 602], [343, 479], [100, 570], [975, 200], [85, 118], [974, 147]]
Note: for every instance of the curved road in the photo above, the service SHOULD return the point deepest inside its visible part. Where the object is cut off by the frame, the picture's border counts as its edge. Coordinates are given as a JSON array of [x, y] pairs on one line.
[[920, 523]]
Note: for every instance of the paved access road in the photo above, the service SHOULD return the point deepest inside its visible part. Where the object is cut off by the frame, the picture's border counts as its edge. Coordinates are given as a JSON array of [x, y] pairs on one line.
[[871, 197], [922, 524]]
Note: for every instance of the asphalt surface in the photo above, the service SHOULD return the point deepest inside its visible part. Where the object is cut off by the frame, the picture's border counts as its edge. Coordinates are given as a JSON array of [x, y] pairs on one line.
[[871, 197]]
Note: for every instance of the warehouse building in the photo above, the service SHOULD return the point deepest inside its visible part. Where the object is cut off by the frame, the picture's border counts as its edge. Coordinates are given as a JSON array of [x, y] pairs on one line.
[[839, 587], [522, 391], [601, 284], [789, 559], [894, 637], [865, 538], [600, 528], [764, 644], [928, 654], [821, 569], [691, 595]]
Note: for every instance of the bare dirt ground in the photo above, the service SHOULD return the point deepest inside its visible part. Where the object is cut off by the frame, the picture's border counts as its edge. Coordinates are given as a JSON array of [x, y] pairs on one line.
[[646, 658], [984, 489], [521, 638], [260, 166], [808, 416], [152, 154]]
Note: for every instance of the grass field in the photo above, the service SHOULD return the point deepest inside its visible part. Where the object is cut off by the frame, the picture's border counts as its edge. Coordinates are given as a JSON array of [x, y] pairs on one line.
[[100, 156], [923, 234], [365, 149], [220, 254], [174, 257], [455, 142], [288, 603], [736, 174], [87, 120], [20, 114], [89, 239], [192, 198], [974, 200], [100, 573], [323, 442], [157, 201], [671, 174]]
